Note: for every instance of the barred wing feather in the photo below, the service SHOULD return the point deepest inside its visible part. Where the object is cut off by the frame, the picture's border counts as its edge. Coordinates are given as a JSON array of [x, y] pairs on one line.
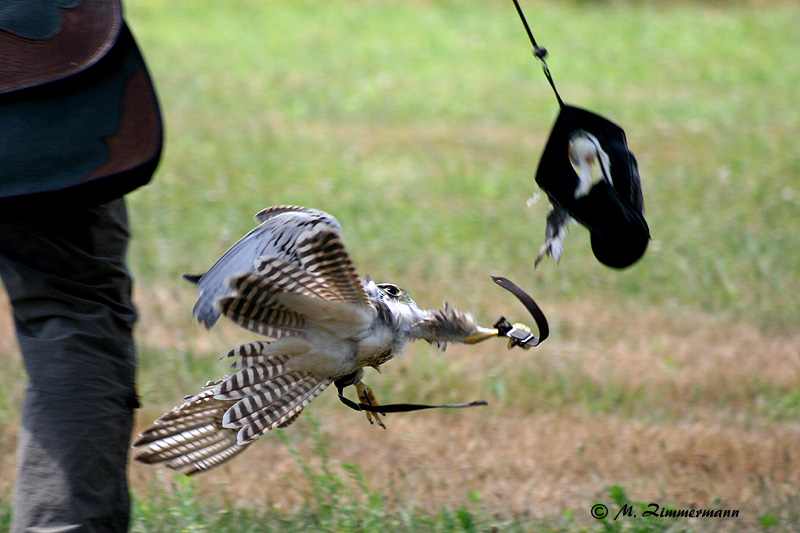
[[190, 438], [324, 254], [217, 424], [280, 297], [274, 404], [277, 236]]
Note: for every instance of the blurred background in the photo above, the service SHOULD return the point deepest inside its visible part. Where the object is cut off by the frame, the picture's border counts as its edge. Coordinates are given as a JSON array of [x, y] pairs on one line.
[[419, 125]]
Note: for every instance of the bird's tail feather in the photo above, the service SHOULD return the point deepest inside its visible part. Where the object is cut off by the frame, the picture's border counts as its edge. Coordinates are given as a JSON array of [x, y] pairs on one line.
[[190, 438], [193, 278], [219, 423]]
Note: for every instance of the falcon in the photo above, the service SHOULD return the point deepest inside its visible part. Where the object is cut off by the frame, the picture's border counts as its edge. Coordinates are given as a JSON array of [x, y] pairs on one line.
[[291, 280]]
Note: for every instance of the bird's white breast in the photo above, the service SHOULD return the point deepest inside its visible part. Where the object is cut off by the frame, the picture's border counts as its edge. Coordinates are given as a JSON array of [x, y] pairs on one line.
[[376, 348], [335, 354]]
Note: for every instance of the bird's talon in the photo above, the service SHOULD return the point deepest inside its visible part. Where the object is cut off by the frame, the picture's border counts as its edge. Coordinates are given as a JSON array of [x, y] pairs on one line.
[[366, 396], [520, 325], [517, 338]]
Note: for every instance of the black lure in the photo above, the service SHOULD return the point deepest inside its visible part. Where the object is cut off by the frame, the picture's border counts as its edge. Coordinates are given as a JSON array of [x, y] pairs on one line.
[[611, 206]]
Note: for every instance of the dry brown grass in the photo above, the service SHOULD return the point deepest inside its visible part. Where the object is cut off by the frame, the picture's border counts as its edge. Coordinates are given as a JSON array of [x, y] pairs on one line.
[[535, 464], [700, 435]]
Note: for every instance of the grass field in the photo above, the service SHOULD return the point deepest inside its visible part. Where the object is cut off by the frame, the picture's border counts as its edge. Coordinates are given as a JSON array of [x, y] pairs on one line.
[[419, 125]]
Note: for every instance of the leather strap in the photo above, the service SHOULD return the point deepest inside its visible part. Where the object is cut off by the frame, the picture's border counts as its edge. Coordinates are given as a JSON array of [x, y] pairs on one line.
[[403, 407], [516, 334]]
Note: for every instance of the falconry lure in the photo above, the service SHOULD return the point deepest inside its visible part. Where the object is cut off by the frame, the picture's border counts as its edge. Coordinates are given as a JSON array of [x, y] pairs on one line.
[[291, 280], [590, 176]]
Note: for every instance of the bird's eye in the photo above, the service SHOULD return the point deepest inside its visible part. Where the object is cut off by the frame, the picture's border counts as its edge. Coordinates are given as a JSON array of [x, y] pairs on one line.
[[391, 290]]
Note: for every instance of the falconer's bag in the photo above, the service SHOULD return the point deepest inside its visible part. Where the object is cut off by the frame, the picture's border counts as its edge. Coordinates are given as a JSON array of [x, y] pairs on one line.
[[79, 119]]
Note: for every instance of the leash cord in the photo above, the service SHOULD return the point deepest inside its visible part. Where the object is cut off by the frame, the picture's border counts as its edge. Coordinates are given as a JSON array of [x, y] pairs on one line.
[[540, 53]]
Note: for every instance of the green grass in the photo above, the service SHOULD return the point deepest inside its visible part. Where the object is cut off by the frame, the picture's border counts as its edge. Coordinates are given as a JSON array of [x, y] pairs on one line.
[[338, 499], [419, 125]]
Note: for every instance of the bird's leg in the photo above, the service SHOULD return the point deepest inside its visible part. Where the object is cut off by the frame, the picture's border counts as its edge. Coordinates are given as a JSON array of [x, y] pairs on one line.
[[366, 396], [481, 335]]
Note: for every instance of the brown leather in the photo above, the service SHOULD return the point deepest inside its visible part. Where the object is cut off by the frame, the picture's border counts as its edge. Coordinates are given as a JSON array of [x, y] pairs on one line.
[[98, 133], [138, 137], [532, 307], [87, 33]]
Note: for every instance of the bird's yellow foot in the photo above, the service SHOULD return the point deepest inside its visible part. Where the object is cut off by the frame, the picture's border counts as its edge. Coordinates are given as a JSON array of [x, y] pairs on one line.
[[513, 342], [366, 396], [481, 335]]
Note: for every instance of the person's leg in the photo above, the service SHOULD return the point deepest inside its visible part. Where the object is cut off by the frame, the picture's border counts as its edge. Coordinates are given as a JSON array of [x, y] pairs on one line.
[[69, 288]]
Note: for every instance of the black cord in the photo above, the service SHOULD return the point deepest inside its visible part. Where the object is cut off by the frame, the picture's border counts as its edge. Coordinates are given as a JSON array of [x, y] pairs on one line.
[[540, 53], [402, 407]]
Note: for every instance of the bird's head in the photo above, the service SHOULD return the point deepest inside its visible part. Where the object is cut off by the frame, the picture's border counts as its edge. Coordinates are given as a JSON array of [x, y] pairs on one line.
[[584, 152], [411, 322], [406, 316], [390, 292], [583, 148], [388, 297]]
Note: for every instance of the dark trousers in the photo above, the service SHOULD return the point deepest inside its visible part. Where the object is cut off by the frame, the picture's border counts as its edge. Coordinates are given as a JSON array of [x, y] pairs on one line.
[[70, 291]]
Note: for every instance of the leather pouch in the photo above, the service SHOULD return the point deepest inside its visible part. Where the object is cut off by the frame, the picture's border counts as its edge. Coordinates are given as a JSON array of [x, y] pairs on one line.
[[79, 119]]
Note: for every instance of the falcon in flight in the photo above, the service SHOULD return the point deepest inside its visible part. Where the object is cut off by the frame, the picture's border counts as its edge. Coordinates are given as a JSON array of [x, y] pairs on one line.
[[291, 280]]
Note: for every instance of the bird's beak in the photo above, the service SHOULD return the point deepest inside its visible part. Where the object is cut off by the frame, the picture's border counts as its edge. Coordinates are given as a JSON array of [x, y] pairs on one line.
[[481, 335]]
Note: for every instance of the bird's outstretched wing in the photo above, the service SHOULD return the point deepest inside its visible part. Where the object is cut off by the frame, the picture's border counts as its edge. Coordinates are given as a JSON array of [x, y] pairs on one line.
[[299, 281], [285, 233], [219, 423], [190, 438], [319, 286]]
